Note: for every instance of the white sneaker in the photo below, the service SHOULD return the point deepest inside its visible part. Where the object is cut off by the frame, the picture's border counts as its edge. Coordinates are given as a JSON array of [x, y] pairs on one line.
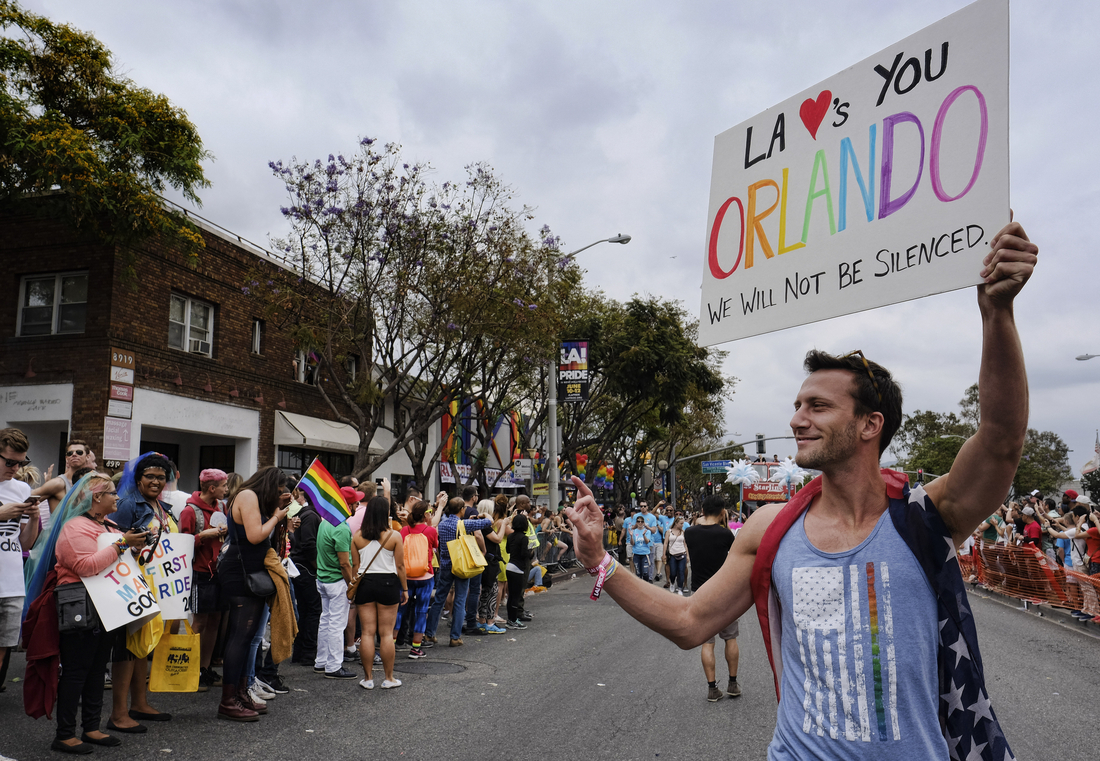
[[680, 592], [256, 699], [262, 690], [388, 685], [367, 684]]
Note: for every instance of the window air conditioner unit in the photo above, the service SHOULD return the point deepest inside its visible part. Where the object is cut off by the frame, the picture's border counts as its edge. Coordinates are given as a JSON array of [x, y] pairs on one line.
[[199, 347]]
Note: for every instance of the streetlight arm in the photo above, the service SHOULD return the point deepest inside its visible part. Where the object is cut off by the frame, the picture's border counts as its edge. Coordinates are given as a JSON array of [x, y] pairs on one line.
[[731, 446]]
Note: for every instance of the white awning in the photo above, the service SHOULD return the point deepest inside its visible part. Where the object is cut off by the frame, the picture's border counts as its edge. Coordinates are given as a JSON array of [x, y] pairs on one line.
[[304, 431]]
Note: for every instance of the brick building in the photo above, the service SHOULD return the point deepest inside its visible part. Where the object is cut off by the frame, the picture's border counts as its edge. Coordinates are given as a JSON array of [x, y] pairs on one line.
[[179, 362]]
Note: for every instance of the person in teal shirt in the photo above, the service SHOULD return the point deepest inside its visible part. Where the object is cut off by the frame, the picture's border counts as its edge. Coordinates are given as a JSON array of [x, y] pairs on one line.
[[640, 540]]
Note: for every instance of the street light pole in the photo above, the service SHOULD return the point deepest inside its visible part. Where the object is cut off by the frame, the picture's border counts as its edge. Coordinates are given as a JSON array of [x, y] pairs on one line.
[[553, 472]]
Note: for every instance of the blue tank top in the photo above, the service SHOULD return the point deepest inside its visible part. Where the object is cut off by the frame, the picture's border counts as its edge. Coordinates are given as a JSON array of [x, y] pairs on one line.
[[860, 638]]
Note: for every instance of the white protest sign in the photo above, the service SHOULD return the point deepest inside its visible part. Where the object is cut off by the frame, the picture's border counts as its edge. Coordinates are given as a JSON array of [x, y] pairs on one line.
[[170, 569], [882, 184], [119, 592]]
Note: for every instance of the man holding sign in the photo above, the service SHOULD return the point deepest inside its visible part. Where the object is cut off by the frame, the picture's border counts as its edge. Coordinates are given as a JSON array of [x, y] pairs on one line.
[[857, 555]]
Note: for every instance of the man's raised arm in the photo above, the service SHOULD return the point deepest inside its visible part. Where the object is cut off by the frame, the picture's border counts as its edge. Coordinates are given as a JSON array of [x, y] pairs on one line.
[[687, 621], [986, 464]]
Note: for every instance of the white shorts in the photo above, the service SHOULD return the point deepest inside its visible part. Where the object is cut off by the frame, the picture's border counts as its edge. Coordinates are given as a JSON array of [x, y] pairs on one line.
[[11, 619]]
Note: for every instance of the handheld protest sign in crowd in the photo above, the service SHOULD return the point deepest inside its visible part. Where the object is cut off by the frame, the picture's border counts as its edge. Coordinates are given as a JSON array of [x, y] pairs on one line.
[[120, 592], [881, 184]]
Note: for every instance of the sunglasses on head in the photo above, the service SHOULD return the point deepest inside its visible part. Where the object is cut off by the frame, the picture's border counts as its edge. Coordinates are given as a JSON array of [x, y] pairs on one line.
[[75, 453], [16, 463], [866, 366]]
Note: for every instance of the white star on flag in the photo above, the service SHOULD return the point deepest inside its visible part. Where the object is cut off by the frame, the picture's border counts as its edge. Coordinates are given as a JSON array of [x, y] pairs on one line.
[[961, 650], [975, 753], [953, 698], [980, 708]]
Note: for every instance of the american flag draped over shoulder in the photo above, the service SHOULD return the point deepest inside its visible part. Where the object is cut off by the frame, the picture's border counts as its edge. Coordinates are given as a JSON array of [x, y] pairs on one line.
[[967, 720], [966, 717]]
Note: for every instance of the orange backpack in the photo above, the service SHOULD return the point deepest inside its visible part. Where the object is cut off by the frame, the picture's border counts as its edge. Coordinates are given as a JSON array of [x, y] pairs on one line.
[[418, 555]]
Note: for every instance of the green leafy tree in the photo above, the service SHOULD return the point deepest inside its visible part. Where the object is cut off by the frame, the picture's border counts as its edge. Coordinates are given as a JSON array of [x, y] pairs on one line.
[[1044, 464], [97, 146], [931, 440], [1090, 482]]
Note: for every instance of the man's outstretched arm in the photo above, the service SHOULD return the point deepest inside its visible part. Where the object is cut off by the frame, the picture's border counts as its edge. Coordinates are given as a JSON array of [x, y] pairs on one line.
[[986, 464], [687, 621]]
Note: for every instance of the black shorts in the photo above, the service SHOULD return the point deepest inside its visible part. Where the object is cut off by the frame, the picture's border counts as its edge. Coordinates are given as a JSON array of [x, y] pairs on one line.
[[381, 588]]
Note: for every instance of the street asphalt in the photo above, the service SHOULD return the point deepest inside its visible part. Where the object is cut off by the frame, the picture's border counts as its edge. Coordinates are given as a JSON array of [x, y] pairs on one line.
[[584, 681]]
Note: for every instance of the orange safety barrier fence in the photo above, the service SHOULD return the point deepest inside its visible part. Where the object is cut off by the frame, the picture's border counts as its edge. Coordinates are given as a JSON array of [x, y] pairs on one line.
[[1027, 574]]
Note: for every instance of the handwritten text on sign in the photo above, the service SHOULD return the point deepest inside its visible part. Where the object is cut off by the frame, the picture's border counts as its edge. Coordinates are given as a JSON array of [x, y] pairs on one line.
[[119, 592], [882, 184], [170, 568]]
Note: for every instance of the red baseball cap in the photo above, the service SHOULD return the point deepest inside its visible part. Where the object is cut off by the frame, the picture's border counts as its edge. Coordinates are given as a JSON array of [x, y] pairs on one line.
[[350, 495], [1071, 493]]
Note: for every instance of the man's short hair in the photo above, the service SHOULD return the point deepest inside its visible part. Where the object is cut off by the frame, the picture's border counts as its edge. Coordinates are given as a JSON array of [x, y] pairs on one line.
[[412, 491], [714, 505], [78, 443], [14, 439], [885, 399], [523, 502], [347, 481], [455, 506], [469, 492]]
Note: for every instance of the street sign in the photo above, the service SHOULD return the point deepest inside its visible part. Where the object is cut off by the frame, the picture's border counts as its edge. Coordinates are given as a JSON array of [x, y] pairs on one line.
[[715, 466]]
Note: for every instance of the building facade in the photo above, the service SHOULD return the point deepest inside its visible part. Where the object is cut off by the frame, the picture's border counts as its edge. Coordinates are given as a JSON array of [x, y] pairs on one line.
[[175, 359]]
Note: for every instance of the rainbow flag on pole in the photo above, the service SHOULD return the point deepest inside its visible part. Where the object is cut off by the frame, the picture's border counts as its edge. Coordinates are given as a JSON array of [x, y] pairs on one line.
[[323, 492]]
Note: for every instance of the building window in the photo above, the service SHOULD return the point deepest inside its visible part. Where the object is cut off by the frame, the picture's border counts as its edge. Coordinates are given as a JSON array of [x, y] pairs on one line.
[[306, 367], [53, 304], [190, 325], [257, 336], [294, 461]]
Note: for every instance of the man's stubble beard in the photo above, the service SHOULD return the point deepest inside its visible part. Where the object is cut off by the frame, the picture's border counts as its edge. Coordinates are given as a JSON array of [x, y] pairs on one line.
[[835, 448]]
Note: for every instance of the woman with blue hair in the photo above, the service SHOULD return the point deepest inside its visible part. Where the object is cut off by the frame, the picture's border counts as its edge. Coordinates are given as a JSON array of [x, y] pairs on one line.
[[140, 508]]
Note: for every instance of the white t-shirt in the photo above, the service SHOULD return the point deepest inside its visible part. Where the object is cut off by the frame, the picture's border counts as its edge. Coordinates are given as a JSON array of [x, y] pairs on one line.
[[177, 499], [11, 553]]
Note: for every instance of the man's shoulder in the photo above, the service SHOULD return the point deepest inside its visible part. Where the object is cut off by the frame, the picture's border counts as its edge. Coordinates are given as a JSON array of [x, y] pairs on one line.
[[14, 490]]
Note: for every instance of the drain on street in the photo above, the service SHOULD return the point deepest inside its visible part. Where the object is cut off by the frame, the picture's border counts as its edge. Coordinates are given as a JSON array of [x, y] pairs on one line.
[[429, 667]]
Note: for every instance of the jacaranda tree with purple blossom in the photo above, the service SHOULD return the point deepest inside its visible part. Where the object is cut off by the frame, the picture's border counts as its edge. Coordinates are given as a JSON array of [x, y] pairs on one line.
[[409, 294]]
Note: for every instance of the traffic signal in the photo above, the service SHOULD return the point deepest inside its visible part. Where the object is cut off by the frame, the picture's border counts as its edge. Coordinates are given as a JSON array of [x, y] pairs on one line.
[[710, 488], [760, 448], [920, 475]]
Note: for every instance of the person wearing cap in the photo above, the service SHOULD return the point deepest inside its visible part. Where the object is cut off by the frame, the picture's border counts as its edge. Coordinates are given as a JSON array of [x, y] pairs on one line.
[[1069, 499], [1032, 530], [197, 518]]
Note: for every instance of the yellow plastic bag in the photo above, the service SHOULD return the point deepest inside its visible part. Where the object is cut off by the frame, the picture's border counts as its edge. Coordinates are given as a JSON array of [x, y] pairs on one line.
[[176, 663], [143, 641], [466, 558]]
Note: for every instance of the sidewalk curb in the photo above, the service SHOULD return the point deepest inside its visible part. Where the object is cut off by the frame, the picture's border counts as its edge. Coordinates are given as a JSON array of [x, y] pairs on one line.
[[1058, 616]]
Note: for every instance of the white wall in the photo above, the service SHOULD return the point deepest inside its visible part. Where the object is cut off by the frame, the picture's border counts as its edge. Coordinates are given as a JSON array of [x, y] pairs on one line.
[[191, 423], [42, 412]]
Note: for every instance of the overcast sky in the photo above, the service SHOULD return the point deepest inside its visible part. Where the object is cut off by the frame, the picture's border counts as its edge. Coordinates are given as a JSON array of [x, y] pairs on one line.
[[602, 116]]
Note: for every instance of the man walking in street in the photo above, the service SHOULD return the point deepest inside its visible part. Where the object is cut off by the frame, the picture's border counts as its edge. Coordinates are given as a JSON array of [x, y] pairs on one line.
[[857, 545], [708, 544]]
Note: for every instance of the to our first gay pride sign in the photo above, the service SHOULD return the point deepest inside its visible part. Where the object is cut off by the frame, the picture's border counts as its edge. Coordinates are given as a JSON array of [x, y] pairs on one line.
[[883, 183]]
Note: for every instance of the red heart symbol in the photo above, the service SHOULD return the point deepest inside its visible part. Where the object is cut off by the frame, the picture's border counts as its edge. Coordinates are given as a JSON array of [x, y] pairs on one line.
[[812, 112]]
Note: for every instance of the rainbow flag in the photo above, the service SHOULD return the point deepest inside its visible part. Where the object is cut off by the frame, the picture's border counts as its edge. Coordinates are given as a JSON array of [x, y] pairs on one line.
[[323, 492]]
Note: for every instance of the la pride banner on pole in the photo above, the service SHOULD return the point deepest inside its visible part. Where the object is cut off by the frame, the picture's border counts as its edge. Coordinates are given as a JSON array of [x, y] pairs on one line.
[[881, 184]]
